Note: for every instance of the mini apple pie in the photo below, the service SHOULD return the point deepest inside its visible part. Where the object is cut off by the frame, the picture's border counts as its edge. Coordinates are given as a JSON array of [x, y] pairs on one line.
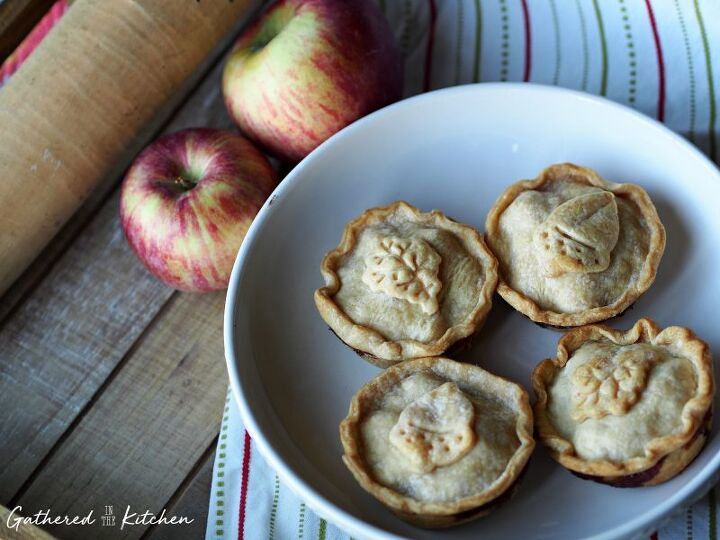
[[405, 284], [625, 408], [574, 249], [438, 442]]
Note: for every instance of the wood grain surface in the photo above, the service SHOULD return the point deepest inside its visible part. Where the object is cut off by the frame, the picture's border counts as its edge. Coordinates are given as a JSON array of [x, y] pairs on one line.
[[191, 500], [66, 339], [112, 385], [137, 452]]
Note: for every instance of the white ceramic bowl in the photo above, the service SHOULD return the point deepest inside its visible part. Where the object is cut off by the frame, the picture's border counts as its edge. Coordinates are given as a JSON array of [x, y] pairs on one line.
[[456, 150]]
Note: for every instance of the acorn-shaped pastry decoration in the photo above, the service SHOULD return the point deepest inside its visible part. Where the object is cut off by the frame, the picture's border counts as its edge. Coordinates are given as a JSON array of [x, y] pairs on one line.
[[438, 442]]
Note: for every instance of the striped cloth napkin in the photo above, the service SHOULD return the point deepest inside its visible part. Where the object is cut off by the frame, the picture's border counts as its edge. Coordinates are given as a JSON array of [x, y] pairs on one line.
[[661, 57]]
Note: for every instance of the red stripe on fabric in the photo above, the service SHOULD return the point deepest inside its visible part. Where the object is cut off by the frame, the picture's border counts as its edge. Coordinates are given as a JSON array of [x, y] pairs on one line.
[[244, 486], [33, 39], [429, 51], [59, 8], [528, 42], [654, 536], [660, 61]]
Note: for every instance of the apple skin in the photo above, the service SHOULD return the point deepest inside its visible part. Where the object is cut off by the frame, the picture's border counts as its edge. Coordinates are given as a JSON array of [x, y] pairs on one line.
[[307, 69], [187, 202]]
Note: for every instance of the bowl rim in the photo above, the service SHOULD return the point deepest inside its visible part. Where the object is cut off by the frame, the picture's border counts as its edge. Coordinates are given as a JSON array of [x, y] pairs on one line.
[[312, 498]]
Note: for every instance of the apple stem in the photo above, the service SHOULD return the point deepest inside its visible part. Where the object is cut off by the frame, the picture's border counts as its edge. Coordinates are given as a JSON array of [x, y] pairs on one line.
[[278, 19], [184, 183]]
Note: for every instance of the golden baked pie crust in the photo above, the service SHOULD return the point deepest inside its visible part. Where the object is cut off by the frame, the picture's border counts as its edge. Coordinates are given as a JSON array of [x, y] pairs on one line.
[[679, 447], [584, 175], [376, 347], [435, 514]]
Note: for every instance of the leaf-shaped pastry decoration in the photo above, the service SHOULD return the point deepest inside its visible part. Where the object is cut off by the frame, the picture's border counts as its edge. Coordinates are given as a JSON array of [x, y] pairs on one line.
[[610, 384], [579, 235], [436, 429], [406, 269]]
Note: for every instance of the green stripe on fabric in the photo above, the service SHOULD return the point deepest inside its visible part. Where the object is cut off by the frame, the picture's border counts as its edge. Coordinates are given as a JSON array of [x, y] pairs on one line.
[[459, 42], [585, 47], [301, 521], [558, 47], [322, 530], [711, 84], [632, 61], [712, 511], [219, 482], [274, 508], [382, 6], [505, 43], [603, 48], [478, 41], [691, 70]]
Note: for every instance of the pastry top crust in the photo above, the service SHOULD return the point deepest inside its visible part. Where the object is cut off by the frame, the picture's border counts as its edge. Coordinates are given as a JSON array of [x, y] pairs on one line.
[[614, 403], [406, 284], [437, 437], [572, 248]]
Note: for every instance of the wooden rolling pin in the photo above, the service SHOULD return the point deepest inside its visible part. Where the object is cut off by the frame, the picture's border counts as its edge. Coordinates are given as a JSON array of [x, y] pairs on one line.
[[73, 113]]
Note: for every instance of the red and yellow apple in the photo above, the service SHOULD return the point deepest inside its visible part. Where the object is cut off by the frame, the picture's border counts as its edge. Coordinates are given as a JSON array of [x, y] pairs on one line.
[[187, 202], [307, 69]]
